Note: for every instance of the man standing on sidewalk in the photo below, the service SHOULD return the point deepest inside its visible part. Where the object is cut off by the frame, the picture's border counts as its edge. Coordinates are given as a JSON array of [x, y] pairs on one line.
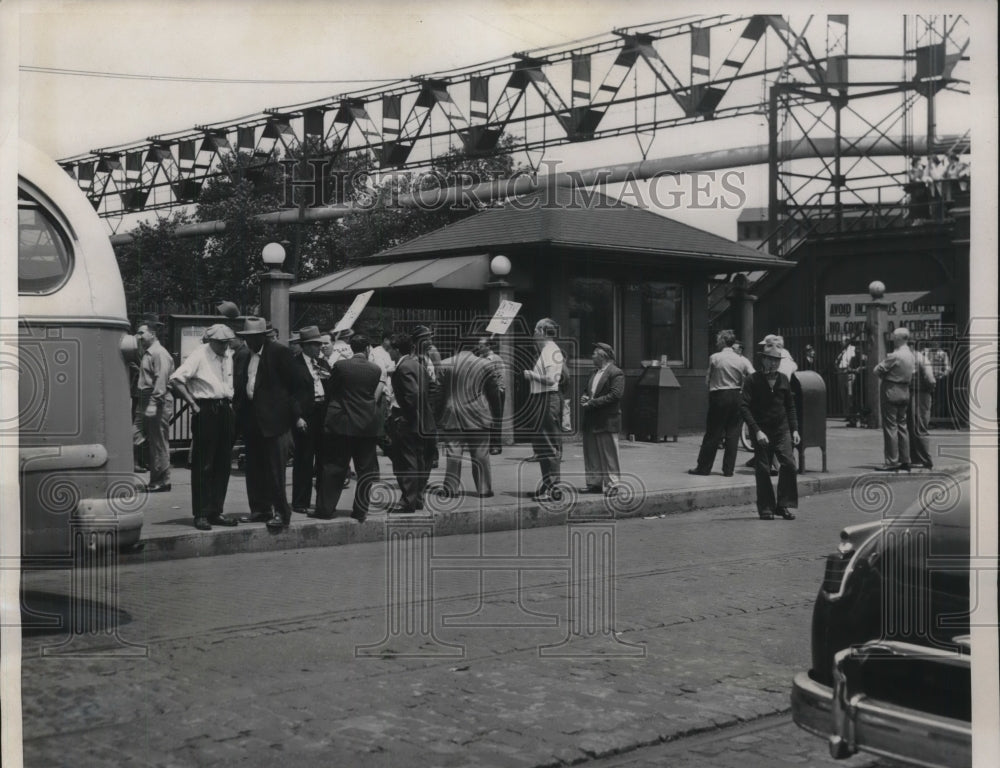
[[268, 401], [602, 421], [485, 350], [921, 398], [205, 381], [545, 403], [726, 373], [768, 409], [896, 373], [155, 406], [846, 364], [312, 366], [415, 433]]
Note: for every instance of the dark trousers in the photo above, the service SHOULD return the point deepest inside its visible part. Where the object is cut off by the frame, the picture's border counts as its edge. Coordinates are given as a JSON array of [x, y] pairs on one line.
[[305, 459], [546, 420], [919, 419], [212, 434], [496, 434], [338, 453], [411, 463], [266, 460], [780, 448], [478, 447], [723, 422]]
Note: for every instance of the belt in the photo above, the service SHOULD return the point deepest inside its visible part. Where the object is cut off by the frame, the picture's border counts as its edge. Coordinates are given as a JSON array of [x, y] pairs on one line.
[[212, 400]]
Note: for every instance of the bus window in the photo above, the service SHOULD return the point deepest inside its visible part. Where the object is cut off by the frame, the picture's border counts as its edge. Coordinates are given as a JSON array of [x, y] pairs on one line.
[[44, 256]]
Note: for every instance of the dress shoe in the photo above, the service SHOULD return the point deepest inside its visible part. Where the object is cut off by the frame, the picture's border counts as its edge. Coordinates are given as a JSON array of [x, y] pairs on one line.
[[611, 491], [256, 517], [888, 468], [904, 467], [495, 451], [301, 510], [544, 498], [202, 524], [727, 474], [487, 495], [928, 465], [785, 513], [158, 488], [399, 509], [589, 489], [766, 515], [420, 505], [359, 518], [276, 523], [698, 472], [317, 515], [226, 522]]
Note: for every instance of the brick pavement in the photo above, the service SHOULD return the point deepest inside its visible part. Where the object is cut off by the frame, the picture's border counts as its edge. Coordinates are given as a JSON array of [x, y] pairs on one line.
[[656, 474]]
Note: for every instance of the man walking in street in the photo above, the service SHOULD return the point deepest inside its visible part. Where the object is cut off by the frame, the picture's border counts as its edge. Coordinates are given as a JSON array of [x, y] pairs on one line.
[[768, 409], [314, 369], [602, 421], [415, 433], [896, 373], [155, 406], [268, 401], [205, 382], [470, 399], [921, 398], [350, 431], [726, 374]]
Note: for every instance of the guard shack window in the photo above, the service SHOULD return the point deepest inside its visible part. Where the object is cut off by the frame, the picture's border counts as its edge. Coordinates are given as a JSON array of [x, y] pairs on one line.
[[591, 313], [43, 256], [663, 321]]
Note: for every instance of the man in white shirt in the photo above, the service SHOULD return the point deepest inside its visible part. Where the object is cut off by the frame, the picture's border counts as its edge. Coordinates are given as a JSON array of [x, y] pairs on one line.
[[205, 381], [545, 403], [846, 364], [725, 376]]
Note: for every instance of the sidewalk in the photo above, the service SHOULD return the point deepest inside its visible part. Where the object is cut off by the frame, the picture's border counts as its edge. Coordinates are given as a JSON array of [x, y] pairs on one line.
[[654, 476]]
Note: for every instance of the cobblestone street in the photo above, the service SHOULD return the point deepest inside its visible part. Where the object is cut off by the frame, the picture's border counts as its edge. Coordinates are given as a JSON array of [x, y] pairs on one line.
[[252, 659]]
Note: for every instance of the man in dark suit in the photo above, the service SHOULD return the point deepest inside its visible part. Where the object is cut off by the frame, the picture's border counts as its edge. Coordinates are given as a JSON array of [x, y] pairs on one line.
[[350, 431], [470, 397], [768, 409], [602, 421], [267, 398], [414, 443], [315, 371]]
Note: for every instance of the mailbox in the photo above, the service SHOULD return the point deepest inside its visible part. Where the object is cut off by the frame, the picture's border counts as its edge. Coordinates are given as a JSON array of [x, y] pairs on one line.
[[657, 403], [809, 390]]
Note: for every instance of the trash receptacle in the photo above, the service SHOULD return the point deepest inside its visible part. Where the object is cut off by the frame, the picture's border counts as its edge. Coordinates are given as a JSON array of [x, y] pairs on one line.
[[810, 400], [657, 403]]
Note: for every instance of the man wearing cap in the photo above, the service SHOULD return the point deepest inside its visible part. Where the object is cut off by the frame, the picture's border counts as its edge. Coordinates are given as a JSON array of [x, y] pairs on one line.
[[228, 309], [205, 381], [602, 421], [351, 428], [768, 408], [308, 442], [268, 395], [727, 372], [155, 405], [470, 397], [341, 348], [896, 373]]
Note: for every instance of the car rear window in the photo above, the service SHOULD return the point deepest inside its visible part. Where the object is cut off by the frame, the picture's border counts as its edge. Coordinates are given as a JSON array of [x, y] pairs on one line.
[[44, 254]]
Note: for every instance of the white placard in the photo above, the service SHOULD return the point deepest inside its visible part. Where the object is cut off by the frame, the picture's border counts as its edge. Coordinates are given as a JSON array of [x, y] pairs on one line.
[[846, 313], [504, 316], [352, 313]]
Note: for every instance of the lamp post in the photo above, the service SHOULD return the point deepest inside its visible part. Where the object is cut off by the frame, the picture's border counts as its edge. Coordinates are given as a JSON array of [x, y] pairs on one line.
[[274, 285], [500, 290], [878, 315]]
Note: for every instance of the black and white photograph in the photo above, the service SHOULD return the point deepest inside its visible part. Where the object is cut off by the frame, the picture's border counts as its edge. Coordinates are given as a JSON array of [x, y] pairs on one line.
[[505, 384]]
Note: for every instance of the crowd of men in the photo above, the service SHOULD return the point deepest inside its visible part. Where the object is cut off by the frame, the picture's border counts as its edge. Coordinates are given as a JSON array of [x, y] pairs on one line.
[[329, 401]]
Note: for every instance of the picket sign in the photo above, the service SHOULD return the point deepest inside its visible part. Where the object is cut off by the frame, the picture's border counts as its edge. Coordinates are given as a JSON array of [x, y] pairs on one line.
[[504, 316], [354, 311]]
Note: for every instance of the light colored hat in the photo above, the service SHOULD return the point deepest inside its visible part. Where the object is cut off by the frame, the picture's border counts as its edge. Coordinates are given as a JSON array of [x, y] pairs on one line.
[[253, 326], [341, 335], [771, 351], [310, 334], [219, 332], [769, 339]]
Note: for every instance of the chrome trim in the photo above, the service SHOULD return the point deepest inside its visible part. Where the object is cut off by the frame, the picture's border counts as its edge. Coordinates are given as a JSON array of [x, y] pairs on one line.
[[856, 722]]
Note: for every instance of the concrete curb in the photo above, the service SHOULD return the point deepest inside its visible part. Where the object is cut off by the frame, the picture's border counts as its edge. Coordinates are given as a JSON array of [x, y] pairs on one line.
[[307, 532]]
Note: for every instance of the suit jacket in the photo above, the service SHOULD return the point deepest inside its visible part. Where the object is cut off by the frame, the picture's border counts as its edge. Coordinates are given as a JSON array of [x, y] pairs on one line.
[[308, 390], [277, 396], [896, 372], [766, 410], [411, 388], [469, 393], [352, 408], [604, 413]]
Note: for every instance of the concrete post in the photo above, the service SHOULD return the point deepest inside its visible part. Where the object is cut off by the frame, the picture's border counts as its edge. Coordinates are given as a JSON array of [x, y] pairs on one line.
[[499, 291], [742, 304], [274, 304]]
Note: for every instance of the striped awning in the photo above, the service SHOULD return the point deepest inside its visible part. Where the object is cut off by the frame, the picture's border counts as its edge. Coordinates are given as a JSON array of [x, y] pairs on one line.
[[468, 273]]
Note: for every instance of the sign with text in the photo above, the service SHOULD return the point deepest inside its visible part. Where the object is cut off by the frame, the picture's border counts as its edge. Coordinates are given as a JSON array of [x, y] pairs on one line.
[[847, 313], [504, 316], [353, 311]]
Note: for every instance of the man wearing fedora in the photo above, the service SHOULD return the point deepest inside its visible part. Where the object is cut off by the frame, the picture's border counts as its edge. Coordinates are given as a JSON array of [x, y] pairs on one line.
[[414, 438], [351, 428], [268, 395], [602, 421], [768, 408], [314, 369], [205, 381]]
